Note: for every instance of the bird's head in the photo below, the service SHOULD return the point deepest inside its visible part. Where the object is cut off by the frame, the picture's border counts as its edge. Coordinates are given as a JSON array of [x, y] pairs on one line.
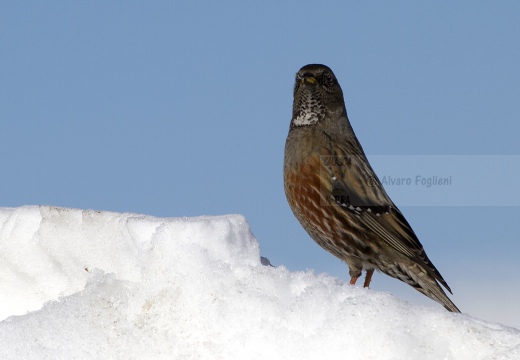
[[316, 93]]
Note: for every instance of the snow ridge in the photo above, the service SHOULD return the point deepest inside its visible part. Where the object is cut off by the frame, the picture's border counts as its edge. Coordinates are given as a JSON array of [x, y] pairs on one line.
[[110, 285]]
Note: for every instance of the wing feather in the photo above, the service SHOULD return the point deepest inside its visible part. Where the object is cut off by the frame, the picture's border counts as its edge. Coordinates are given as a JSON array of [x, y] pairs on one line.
[[355, 188]]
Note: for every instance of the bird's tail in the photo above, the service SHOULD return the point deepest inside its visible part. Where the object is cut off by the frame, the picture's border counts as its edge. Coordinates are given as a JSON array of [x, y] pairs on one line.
[[440, 296], [415, 275]]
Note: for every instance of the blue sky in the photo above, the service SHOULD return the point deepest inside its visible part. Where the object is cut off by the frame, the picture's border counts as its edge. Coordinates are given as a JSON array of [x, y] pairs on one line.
[[182, 109]]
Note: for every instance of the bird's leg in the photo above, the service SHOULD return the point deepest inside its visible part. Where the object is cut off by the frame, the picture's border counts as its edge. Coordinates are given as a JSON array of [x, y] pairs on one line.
[[353, 280], [368, 278]]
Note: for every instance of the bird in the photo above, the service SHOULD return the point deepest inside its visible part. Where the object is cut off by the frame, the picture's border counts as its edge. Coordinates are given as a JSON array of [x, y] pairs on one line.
[[337, 197]]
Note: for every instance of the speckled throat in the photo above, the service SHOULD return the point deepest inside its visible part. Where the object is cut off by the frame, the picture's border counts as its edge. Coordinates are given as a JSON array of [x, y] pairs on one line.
[[308, 106]]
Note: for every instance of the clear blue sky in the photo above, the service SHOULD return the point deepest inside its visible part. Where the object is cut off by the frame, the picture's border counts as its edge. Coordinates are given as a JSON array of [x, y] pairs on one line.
[[182, 109]]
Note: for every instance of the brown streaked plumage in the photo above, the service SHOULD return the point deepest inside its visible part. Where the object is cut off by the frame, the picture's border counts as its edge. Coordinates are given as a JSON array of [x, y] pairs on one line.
[[334, 193]]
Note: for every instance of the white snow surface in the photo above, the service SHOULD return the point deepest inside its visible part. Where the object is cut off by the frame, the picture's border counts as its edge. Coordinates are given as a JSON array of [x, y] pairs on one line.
[[83, 284]]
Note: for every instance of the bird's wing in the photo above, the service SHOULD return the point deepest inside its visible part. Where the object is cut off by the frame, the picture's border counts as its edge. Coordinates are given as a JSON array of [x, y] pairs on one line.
[[355, 188]]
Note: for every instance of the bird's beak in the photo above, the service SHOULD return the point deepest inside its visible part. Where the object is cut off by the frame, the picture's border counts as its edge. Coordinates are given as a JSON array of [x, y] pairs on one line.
[[311, 80]]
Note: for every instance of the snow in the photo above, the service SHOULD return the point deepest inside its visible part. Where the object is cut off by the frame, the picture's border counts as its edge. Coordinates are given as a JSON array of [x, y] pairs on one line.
[[78, 284]]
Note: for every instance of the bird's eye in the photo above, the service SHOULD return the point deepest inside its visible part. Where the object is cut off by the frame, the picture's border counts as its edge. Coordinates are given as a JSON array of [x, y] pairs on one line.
[[328, 79]]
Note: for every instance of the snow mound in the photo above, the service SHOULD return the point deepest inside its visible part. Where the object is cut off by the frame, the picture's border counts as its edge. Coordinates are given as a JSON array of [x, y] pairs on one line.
[[88, 284]]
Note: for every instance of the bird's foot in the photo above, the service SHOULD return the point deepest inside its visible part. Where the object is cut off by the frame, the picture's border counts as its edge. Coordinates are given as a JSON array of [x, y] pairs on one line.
[[368, 278]]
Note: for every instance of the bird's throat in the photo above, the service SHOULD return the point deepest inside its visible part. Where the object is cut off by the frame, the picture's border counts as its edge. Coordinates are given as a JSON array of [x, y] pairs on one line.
[[308, 107]]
